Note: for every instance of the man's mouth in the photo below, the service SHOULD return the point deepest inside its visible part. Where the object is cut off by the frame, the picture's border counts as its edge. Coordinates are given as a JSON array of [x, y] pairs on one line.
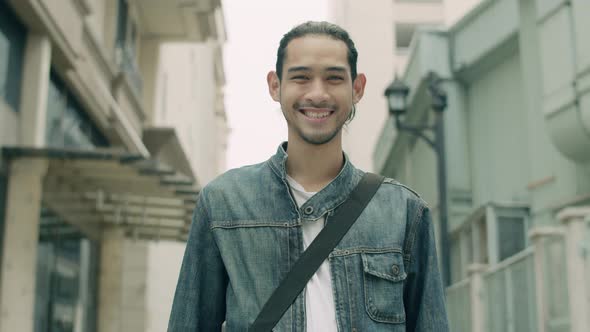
[[316, 114]]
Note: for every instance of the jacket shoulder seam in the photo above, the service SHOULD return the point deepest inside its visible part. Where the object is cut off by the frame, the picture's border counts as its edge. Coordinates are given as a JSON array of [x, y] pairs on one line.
[[401, 185]]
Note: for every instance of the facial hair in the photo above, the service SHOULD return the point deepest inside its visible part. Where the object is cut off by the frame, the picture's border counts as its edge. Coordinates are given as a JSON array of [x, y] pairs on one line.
[[317, 139]]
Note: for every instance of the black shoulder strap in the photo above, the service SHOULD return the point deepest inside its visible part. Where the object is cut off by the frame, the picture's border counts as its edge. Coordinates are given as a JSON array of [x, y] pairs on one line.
[[316, 253]]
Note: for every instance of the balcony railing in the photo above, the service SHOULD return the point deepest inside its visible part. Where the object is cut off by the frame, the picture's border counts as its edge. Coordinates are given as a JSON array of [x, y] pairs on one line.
[[459, 306], [509, 294], [542, 288]]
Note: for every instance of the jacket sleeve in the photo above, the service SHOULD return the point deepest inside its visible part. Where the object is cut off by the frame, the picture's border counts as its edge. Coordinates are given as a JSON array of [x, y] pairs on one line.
[[199, 301], [424, 298]]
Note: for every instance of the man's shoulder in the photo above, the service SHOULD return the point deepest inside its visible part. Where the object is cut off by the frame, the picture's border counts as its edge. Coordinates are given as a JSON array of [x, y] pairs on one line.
[[238, 177], [403, 190]]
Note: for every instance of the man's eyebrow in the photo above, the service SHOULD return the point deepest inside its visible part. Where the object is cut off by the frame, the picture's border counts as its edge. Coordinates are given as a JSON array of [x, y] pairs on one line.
[[337, 68], [298, 68]]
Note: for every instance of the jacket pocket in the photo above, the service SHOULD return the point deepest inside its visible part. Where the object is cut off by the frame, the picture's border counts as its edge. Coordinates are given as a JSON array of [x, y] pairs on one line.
[[383, 278]]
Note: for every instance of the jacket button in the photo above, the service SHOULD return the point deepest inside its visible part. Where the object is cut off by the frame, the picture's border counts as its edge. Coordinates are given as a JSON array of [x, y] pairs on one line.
[[308, 210], [395, 269]]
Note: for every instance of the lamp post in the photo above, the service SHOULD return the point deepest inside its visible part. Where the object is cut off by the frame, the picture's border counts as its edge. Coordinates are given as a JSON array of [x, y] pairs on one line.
[[397, 93]]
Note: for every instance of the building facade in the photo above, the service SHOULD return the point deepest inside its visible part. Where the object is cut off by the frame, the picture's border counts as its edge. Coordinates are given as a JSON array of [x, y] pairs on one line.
[[384, 45], [517, 148], [111, 119]]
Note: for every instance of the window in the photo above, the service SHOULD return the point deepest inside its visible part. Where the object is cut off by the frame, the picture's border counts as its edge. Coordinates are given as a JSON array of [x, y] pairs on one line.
[[67, 124], [126, 45], [511, 235], [122, 18], [67, 268], [455, 252], [12, 48]]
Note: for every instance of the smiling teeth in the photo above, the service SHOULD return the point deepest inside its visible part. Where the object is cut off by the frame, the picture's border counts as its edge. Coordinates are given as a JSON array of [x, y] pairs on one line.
[[316, 115]]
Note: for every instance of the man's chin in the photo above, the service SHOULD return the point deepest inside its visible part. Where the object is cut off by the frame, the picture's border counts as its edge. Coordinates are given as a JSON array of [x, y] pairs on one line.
[[319, 140]]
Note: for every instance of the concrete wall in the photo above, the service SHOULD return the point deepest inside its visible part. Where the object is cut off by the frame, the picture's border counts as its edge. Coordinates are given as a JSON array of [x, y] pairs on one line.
[[455, 9], [497, 135], [163, 268], [187, 100]]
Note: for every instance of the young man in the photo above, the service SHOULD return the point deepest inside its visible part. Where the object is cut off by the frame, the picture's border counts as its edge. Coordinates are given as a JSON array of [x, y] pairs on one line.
[[252, 224]]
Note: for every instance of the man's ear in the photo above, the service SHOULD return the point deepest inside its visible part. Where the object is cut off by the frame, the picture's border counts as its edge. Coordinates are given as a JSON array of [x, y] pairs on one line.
[[274, 85], [358, 87]]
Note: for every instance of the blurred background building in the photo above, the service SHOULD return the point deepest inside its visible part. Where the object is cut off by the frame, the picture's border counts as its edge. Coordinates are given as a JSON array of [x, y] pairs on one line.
[[383, 31], [111, 119], [516, 142]]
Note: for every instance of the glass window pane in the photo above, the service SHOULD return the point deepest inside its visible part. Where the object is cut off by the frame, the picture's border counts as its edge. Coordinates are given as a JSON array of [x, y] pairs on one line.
[[68, 125], [12, 46], [122, 17], [66, 286], [56, 105], [468, 238], [511, 236]]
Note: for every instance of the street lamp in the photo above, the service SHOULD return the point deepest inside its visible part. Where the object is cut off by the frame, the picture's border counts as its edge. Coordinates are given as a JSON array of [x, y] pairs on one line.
[[397, 93]]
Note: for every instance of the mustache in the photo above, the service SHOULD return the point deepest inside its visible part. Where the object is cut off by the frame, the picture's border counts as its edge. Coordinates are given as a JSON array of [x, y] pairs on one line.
[[326, 105]]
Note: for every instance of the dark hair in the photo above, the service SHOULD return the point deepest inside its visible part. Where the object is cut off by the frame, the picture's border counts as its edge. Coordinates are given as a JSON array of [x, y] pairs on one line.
[[317, 28]]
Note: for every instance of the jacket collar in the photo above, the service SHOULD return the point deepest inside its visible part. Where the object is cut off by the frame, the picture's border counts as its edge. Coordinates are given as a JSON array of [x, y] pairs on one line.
[[327, 199]]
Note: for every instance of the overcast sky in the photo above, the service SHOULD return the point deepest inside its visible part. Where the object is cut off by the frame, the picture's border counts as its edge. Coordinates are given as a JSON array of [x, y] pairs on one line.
[[254, 28]]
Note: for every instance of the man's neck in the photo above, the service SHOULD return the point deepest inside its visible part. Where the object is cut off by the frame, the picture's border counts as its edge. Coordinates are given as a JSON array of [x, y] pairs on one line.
[[314, 166]]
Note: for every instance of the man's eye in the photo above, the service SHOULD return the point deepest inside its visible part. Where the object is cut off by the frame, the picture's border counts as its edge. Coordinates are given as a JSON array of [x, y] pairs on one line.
[[335, 78], [299, 77]]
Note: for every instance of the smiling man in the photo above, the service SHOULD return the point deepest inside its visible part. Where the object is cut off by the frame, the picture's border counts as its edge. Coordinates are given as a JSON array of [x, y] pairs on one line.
[[252, 224]]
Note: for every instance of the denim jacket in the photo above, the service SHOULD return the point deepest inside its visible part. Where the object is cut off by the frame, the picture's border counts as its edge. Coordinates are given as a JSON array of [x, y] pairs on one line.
[[246, 234]]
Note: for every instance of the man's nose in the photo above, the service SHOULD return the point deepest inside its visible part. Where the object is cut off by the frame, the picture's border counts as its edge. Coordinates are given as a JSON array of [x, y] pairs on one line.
[[317, 92]]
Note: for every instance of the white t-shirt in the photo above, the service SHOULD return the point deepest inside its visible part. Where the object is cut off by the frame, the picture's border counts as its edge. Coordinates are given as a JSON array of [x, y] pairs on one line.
[[320, 310]]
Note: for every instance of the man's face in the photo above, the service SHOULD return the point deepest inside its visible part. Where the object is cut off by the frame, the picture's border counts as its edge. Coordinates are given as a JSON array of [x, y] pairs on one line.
[[316, 92]]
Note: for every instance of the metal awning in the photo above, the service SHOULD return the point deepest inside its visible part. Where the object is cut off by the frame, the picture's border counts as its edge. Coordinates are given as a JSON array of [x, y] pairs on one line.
[[102, 188]]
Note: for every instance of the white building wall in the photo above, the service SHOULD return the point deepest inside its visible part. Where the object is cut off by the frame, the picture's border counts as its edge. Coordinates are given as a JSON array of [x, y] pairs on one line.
[[186, 100], [454, 10], [164, 259]]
